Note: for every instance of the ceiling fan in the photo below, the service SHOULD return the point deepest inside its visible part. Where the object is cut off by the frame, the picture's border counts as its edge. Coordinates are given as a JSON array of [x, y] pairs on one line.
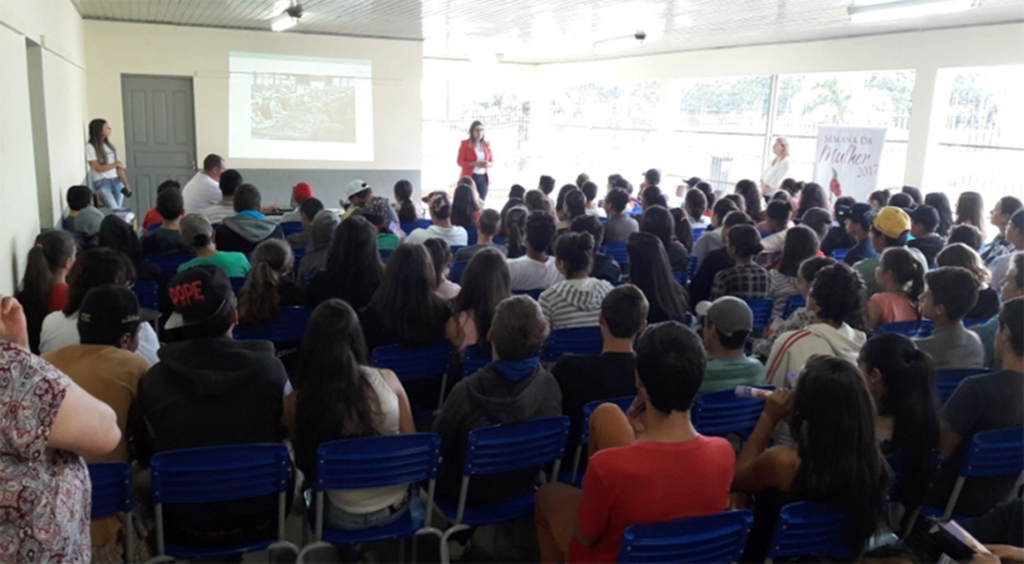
[[287, 18]]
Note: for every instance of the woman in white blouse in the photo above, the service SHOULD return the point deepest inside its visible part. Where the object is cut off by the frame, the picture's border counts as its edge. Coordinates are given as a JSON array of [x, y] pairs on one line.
[[772, 178], [105, 170]]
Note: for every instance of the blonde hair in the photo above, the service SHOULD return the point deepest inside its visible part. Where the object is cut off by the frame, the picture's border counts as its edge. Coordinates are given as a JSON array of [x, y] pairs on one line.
[[785, 149]]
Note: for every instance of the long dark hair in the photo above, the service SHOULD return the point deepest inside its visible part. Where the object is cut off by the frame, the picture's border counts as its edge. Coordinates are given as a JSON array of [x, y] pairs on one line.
[[48, 255], [117, 234], [813, 196], [406, 302], [833, 425], [473, 126], [403, 195], [747, 189], [485, 282], [95, 267], [905, 270], [258, 304], [801, 244], [650, 270], [560, 199], [575, 204], [940, 202], [353, 261], [658, 221], [464, 207], [514, 224], [683, 229], [908, 376], [440, 256], [98, 141], [970, 209], [335, 400]]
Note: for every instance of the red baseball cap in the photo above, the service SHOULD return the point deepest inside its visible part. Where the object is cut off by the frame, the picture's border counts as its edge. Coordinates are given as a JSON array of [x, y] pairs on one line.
[[302, 192]]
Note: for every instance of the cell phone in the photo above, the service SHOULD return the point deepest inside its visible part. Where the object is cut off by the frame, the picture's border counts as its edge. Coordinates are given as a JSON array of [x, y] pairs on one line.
[[960, 534]]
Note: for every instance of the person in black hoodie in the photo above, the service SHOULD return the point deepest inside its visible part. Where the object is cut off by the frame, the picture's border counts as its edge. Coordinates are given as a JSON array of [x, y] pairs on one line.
[[248, 227], [512, 388], [924, 221], [210, 390]]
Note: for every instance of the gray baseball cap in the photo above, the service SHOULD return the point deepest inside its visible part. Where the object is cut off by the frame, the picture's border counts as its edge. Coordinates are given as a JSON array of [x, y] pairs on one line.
[[728, 314]]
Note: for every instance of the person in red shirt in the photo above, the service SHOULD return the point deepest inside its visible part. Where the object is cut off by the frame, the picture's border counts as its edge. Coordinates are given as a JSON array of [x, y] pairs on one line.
[[44, 288], [648, 465]]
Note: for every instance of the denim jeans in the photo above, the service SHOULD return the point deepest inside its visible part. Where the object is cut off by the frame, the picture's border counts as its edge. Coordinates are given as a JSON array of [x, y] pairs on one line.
[[481, 185], [340, 519], [110, 192]]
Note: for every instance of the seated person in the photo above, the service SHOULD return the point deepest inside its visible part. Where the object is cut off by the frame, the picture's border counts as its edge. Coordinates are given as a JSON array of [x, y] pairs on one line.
[[629, 479], [982, 403], [230, 180], [924, 221], [248, 228], [153, 215], [589, 190], [890, 228], [952, 292], [536, 270], [1012, 287], [513, 388], [441, 260], [857, 221], [726, 323], [300, 193], [355, 196], [744, 280], [269, 287], [611, 374], [199, 235], [488, 226], [486, 284], [619, 226], [716, 260], [959, 254], [711, 239], [441, 223], [375, 210], [325, 222], [837, 237], [207, 390], [83, 219], [167, 239], [307, 212], [902, 281], [604, 267], [575, 301], [44, 288]]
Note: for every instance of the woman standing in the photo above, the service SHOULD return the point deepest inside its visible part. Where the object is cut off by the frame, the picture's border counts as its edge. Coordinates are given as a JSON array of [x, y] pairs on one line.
[[105, 171], [772, 178], [475, 158]]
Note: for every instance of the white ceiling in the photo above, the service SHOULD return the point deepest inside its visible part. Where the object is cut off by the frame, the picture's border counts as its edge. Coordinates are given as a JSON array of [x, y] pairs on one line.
[[536, 31]]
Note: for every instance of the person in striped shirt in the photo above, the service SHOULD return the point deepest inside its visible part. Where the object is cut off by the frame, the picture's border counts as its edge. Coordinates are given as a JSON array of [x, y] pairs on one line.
[[575, 301]]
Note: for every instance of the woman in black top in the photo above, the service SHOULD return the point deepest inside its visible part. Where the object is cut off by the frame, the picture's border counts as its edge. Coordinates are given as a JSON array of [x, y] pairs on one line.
[[649, 270], [659, 222], [353, 271]]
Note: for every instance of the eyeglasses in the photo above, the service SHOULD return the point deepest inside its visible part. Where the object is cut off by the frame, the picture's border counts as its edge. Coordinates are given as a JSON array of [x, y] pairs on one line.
[[478, 130]]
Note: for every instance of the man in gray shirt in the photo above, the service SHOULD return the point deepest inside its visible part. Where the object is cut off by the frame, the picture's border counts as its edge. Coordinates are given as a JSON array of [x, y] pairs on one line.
[[619, 226], [952, 292]]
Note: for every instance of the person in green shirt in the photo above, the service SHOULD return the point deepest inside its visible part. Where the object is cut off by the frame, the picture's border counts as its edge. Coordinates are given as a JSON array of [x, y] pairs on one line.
[[726, 323], [198, 234], [375, 210]]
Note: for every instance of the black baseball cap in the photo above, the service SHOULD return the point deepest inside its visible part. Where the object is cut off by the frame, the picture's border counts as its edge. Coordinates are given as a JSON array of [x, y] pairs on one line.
[[653, 176], [110, 307], [693, 181], [198, 294], [926, 215], [857, 213]]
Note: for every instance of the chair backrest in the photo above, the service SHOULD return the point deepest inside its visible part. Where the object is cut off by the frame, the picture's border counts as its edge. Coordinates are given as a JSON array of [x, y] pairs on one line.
[[691, 267], [148, 293], [575, 340], [762, 310], [456, 270], [409, 226], [290, 227], [975, 321], [111, 488], [471, 236], [946, 381], [503, 448], [220, 473], [912, 329], [535, 294], [411, 364], [999, 452], [623, 402], [680, 277], [290, 327], [722, 413], [808, 528], [385, 254], [617, 251], [794, 303], [170, 262], [372, 462], [697, 232], [717, 538], [474, 358], [237, 283], [840, 254]]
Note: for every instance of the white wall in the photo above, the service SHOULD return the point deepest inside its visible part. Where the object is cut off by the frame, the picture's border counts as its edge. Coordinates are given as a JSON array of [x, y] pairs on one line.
[[57, 27], [114, 48]]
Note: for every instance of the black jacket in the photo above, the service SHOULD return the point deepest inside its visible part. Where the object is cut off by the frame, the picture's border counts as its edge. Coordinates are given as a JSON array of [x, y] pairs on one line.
[[929, 245]]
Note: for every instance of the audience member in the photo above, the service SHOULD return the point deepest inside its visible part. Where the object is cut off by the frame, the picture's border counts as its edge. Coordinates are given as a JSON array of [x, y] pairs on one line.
[[812, 196], [512, 388], [801, 244], [969, 211], [658, 220], [486, 282], [715, 261], [889, 229], [1015, 235], [963, 256], [535, 200], [940, 201], [576, 300], [777, 218], [879, 199], [536, 270], [798, 319], [582, 179], [375, 210], [352, 268], [514, 226], [407, 210], [152, 216], [560, 210], [744, 280], [325, 223], [465, 209], [711, 240], [575, 206], [354, 197], [682, 229], [924, 221], [589, 190], [751, 195], [229, 181], [269, 286], [516, 192], [952, 292], [726, 323], [209, 389], [1012, 287], [983, 403], [441, 259], [915, 194], [199, 235], [619, 226], [626, 482], [902, 281], [968, 235], [202, 190], [167, 239], [546, 186], [1000, 217], [605, 267], [117, 234], [838, 237], [83, 218], [488, 227], [343, 397], [306, 213], [44, 288], [300, 193], [901, 201], [650, 271], [248, 227], [695, 204], [857, 220], [441, 225]]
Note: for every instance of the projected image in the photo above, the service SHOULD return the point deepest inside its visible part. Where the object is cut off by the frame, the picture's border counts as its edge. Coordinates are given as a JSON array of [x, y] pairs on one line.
[[306, 107]]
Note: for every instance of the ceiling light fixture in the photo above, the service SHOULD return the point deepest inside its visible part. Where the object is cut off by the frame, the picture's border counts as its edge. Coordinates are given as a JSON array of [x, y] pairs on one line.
[[287, 19], [624, 42], [905, 9]]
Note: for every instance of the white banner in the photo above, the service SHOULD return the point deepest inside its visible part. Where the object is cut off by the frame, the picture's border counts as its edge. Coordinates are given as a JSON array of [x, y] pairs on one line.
[[846, 162]]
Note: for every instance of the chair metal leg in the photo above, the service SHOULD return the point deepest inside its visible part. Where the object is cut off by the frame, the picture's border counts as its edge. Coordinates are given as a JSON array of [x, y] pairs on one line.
[[445, 557], [129, 537], [309, 548]]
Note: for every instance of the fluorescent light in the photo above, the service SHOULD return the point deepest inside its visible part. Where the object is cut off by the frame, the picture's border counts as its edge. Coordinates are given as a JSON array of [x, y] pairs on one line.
[[283, 22], [905, 9]]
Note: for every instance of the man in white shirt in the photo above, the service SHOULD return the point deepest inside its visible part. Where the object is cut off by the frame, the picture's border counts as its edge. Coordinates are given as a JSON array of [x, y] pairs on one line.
[[441, 228], [590, 191], [203, 190], [230, 180], [536, 269]]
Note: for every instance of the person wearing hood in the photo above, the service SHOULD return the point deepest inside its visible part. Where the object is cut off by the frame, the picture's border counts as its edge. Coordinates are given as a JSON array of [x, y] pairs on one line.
[[575, 301], [207, 390], [315, 259], [248, 228], [512, 388], [837, 294], [924, 220]]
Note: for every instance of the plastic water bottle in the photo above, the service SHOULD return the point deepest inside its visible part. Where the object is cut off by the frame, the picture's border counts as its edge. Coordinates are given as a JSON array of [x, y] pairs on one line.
[[751, 392]]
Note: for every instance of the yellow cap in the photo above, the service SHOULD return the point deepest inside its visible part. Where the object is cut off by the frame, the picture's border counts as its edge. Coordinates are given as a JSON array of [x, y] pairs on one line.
[[892, 222]]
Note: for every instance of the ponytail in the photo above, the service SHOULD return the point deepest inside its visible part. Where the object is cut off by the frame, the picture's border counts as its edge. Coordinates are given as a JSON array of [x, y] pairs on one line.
[[916, 283], [516, 224], [48, 255], [407, 212], [259, 301], [906, 270]]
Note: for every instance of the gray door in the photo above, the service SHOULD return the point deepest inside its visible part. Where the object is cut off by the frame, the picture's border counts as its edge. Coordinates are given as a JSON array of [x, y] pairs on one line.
[[159, 133]]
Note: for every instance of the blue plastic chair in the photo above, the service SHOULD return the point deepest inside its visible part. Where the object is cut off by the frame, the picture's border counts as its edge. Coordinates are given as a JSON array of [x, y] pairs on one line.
[[722, 413], [623, 402], [762, 310], [155, 226], [148, 293], [575, 340], [299, 253], [290, 327], [946, 381], [237, 283], [221, 473], [111, 495], [691, 267], [385, 254], [840, 254], [290, 227], [697, 232], [471, 236], [373, 462], [499, 449], [412, 364], [710, 539], [475, 358], [535, 294], [911, 329], [409, 226], [680, 277], [794, 303], [808, 528], [617, 251], [456, 270], [169, 263], [975, 321]]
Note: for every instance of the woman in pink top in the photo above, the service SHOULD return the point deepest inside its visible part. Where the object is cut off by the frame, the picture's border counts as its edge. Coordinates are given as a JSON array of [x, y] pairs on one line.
[[485, 282], [902, 280]]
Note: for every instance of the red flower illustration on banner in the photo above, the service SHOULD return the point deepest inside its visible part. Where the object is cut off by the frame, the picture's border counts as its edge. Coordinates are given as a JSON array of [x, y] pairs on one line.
[[834, 185]]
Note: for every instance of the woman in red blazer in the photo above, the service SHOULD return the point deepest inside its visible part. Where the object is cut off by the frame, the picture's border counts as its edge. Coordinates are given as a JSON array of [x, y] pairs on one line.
[[475, 158]]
